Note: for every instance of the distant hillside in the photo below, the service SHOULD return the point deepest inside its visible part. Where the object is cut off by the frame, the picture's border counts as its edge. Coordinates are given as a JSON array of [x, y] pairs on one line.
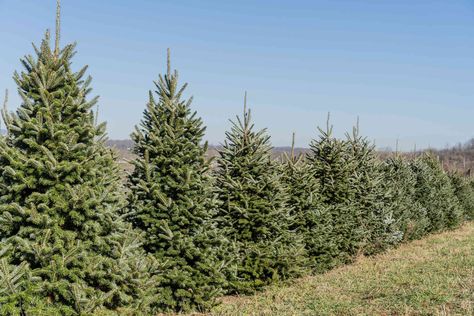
[[459, 157], [122, 144], [124, 148]]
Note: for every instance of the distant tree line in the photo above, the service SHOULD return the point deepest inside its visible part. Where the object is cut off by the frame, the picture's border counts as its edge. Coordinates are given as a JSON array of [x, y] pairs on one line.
[[459, 157]]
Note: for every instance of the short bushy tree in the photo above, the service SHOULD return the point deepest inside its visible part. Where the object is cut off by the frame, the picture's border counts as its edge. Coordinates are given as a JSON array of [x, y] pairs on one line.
[[253, 212], [172, 201], [436, 193], [332, 166], [60, 196], [399, 184], [375, 217], [312, 220], [464, 192]]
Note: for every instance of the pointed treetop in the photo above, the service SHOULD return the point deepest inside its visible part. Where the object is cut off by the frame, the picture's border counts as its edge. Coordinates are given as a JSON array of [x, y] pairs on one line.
[[328, 124], [245, 103], [58, 28], [293, 146], [168, 62], [246, 117], [96, 115], [355, 130], [357, 127], [5, 101]]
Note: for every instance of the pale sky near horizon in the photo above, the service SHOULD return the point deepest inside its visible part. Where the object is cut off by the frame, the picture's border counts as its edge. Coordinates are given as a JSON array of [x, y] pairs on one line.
[[405, 67]]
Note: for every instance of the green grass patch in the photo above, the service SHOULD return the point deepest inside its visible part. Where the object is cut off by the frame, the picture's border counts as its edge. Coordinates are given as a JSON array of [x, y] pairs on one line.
[[432, 276]]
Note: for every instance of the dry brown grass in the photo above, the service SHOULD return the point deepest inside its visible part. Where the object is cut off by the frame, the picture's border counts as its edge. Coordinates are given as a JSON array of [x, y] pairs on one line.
[[433, 276]]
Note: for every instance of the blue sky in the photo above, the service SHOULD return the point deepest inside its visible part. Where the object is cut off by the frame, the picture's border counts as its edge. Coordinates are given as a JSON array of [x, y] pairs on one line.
[[405, 67]]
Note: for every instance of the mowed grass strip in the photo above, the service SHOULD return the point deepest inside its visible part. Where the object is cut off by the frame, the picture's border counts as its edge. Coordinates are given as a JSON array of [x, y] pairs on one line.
[[432, 276]]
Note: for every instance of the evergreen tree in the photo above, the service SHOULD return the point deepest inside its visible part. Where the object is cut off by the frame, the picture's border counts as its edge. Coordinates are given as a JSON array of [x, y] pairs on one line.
[[332, 167], [464, 192], [311, 218], [436, 193], [399, 183], [375, 216], [253, 211], [172, 201], [60, 195]]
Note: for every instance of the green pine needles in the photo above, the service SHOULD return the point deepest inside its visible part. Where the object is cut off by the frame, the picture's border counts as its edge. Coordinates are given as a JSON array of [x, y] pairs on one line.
[[172, 201], [254, 213], [375, 217], [463, 191], [436, 193], [332, 166], [60, 196], [77, 239], [399, 185], [312, 219]]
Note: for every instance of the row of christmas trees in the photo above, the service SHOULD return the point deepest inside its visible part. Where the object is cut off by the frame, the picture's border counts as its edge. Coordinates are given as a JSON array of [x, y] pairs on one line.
[[76, 240]]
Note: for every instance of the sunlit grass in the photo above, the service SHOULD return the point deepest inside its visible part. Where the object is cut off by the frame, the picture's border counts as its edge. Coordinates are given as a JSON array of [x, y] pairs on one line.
[[433, 276]]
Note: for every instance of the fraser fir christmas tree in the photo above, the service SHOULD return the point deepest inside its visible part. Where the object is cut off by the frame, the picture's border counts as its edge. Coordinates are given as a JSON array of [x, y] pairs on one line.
[[63, 243], [171, 198], [254, 213], [399, 185], [312, 220], [333, 167], [374, 216], [464, 192], [436, 193]]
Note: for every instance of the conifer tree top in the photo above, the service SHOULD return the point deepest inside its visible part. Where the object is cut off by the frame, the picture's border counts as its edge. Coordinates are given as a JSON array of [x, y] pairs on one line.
[[168, 118], [5, 103], [58, 28], [171, 198]]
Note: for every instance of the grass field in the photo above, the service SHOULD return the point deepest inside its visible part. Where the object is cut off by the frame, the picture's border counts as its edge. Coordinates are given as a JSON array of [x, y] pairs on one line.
[[433, 276]]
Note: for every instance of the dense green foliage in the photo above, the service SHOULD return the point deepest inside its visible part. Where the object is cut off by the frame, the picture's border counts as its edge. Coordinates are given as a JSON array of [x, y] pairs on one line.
[[74, 240], [254, 213], [375, 217], [64, 246], [356, 203], [171, 199], [436, 193], [463, 189], [311, 216], [399, 184], [332, 166]]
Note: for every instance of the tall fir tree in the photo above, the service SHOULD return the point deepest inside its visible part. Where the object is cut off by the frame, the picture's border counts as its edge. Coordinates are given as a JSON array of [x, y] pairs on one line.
[[333, 168], [172, 201], [312, 219], [254, 213], [375, 217], [60, 196]]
